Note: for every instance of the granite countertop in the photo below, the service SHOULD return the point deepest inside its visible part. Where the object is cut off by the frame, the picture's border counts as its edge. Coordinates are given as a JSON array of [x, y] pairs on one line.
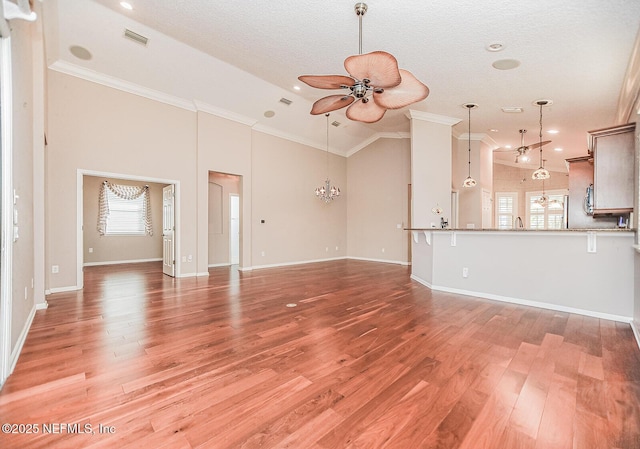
[[523, 230]]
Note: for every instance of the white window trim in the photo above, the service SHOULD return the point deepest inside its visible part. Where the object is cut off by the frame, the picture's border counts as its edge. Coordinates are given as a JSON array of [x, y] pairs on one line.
[[513, 195], [531, 194]]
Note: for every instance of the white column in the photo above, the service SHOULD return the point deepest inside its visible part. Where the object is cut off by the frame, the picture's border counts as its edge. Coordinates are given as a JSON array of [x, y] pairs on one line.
[[431, 148]]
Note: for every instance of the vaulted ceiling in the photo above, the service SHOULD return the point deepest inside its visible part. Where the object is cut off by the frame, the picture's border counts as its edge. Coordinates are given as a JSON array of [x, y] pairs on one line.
[[240, 58]]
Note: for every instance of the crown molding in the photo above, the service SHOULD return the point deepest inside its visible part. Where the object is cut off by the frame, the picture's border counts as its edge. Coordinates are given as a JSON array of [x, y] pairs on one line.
[[434, 118], [376, 136], [117, 83], [223, 113], [482, 137]]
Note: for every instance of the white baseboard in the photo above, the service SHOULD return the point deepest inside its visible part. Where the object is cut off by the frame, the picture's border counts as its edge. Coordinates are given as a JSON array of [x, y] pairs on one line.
[[70, 288], [42, 305], [15, 354], [288, 264], [366, 259], [206, 273], [526, 302], [119, 262], [216, 265]]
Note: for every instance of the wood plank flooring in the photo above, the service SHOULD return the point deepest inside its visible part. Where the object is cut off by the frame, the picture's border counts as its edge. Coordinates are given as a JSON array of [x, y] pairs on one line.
[[367, 359]]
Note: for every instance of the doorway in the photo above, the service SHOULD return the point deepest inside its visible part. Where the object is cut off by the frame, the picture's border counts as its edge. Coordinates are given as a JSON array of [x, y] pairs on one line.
[[101, 250], [225, 219]]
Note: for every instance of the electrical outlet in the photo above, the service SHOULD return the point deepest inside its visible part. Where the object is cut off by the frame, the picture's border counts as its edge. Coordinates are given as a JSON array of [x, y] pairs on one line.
[[336, 248], [184, 259], [383, 250], [55, 269], [262, 253], [465, 272], [327, 249], [90, 250]]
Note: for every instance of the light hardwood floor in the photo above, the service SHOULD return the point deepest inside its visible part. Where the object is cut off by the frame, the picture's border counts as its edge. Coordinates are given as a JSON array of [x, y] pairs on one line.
[[367, 359]]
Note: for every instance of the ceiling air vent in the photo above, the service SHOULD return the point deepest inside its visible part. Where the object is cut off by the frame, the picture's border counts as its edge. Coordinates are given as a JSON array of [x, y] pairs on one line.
[[511, 109], [139, 38], [285, 101], [335, 123]]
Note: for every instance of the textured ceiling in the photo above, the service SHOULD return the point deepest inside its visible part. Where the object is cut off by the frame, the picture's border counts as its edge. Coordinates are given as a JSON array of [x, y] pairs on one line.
[[573, 52]]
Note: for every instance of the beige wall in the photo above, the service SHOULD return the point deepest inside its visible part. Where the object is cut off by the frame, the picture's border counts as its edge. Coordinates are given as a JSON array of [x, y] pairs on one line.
[[113, 248], [379, 178], [298, 226], [22, 302], [223, 146], [96, 128]]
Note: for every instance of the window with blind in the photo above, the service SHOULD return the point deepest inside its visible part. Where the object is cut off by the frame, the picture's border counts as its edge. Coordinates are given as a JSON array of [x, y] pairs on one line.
[[124, 210], [506, 209], [126, 217], [550, 216]]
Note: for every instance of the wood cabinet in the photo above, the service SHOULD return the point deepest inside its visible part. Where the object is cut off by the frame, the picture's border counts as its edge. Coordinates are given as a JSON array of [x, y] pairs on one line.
[[613, 164]]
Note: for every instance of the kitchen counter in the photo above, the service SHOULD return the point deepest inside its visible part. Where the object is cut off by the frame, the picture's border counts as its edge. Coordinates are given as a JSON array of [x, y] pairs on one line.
[[585, 271], [523, 230]]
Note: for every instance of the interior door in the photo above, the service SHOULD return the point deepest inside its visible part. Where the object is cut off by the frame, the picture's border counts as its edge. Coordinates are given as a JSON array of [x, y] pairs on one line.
[[168, 231]]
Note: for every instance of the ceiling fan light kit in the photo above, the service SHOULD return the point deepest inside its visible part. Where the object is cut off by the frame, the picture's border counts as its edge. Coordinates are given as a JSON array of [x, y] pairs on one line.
[[375, 84]]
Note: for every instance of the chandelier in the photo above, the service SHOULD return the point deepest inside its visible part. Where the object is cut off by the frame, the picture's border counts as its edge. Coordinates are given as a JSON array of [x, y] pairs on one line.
[[469, 182], [327, 192], [541, 172]]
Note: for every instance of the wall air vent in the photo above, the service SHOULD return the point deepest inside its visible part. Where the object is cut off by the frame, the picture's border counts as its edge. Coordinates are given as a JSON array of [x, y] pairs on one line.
[[285, 101], [335, 123], [139, 38]]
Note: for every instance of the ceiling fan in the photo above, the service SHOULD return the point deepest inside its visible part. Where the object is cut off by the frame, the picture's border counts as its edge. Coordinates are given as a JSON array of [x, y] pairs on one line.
[[522, 151], [375, 84]]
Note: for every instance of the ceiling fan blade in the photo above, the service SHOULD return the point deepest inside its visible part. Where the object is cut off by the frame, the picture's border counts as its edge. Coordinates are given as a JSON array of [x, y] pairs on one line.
[[380, 67], [331, 103], [538, 144], [368, 112], [327, 81], [410, 90]]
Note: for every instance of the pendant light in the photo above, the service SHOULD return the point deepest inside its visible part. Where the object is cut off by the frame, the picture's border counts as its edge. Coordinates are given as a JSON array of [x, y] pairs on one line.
[[541, 172], [327, 192], [469, 182]]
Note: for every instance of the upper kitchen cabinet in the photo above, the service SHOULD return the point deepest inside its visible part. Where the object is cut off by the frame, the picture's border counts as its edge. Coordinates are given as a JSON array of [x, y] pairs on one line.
[[613, 164]]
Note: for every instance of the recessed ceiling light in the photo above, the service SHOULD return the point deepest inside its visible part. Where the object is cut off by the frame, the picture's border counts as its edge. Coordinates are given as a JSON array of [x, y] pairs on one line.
[[296, 87], [126, 5], [495, 46], [506, 64], [493, 130], [269, 114], [508, 146], [80, 52], [558, 149], [553, 131]]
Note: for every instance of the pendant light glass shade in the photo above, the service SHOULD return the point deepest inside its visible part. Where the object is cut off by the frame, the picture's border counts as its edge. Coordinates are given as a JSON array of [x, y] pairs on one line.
[[541, 173], [327, 192], [469, 182]]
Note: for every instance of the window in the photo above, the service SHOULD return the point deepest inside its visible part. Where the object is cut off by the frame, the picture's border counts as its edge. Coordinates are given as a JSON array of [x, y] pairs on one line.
[[124, 210], [126, 217], [506, 209], [549, 217]]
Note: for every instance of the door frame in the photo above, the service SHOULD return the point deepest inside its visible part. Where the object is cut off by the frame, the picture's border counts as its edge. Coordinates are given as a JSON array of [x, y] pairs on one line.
[[80, 214], [6, 204], [231, 196]]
